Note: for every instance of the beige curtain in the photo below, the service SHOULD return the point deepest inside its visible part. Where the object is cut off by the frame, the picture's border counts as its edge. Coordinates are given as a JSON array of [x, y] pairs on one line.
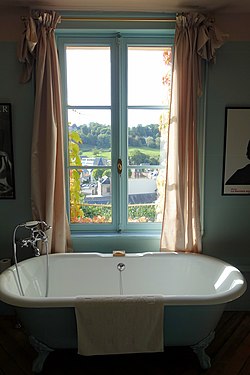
[[39, 54], [196, 38]]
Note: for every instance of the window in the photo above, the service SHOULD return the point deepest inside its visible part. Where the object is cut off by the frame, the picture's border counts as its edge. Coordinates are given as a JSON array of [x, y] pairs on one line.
[[116, 105]]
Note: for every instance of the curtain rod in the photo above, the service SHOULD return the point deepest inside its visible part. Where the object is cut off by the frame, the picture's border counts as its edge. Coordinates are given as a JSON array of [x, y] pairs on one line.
[[117, 19], [121, 19]]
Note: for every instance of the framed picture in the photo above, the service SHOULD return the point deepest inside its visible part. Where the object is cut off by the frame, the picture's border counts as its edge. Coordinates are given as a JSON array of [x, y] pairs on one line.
[[7, 185], [236, 170]]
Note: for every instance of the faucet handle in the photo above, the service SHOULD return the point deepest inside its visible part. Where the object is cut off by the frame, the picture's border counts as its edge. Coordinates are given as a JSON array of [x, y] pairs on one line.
[[25, 242], [45, 225]]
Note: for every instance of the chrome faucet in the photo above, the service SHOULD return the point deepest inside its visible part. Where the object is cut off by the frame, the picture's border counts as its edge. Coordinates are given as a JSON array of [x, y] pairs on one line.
[[38, 229]]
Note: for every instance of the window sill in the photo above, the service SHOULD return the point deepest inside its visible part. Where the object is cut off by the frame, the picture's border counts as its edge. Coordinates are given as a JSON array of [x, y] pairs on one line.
[[108, 242]]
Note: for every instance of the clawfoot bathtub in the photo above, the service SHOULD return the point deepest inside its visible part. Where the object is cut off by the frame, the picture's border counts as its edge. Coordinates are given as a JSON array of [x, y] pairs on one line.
[[195, 289]]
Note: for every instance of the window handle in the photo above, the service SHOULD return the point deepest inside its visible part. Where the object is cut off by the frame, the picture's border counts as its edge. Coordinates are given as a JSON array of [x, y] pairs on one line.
[[119, 166]]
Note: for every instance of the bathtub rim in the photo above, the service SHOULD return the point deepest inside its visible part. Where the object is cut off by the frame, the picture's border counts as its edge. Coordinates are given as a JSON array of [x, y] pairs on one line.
[[184, 300]]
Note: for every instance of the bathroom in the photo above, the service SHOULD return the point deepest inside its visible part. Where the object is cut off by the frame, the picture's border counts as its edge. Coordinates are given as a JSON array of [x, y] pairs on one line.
[[225, 219]]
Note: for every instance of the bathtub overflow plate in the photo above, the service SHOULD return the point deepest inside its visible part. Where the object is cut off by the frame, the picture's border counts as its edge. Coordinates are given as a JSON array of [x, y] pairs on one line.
[[121, 266]]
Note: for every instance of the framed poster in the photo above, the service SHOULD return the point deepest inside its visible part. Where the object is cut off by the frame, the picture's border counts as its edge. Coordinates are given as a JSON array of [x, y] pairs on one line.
[[236, 169], [7, 186]]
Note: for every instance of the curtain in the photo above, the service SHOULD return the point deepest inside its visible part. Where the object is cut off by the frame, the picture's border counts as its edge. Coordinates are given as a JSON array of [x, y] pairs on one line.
[[196, 38], [38, 53]]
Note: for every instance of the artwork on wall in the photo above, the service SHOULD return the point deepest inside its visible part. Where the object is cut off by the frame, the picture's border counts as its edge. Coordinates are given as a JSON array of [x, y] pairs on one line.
[[236, 171], [7, 185]]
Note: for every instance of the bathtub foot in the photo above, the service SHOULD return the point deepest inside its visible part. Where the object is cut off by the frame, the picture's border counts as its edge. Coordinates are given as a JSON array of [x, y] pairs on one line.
[[43, 352], [199, 350]]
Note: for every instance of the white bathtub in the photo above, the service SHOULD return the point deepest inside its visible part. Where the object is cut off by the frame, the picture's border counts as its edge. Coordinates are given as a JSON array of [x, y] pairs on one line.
[[195, 289]]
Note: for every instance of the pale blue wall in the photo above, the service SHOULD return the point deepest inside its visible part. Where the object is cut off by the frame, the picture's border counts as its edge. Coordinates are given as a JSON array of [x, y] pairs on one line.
[[20, 96], [226, 218]]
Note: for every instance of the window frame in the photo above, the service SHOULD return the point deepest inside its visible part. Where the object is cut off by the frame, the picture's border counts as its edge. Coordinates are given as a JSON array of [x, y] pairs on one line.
[[122, 38], [85, 41]]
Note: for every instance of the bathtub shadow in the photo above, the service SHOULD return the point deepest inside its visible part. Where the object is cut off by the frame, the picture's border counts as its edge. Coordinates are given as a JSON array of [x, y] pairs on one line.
[[173, 361]]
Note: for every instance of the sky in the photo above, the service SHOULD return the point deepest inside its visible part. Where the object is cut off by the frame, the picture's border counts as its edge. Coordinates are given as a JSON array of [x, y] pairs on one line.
[[88, 82]]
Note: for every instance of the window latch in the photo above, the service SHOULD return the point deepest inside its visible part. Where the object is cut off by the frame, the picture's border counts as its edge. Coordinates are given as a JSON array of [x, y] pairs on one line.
[[119, 166]]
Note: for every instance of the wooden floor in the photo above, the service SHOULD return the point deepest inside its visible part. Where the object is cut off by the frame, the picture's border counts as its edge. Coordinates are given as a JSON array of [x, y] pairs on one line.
[[229, 352]]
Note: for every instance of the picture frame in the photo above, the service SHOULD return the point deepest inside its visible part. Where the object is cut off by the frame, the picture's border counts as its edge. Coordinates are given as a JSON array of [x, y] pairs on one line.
[[7, 184], [236, 161]]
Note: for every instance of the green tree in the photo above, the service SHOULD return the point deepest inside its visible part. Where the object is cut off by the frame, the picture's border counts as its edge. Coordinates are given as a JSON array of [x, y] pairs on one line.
[[97, 173], [106, 172], [150, 142], [76, 212], [137, 157], [103, 140], [153, 160], [157, 142]]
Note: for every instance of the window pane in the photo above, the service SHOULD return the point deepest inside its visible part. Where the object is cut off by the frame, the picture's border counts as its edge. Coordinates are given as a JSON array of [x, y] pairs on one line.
[[94, 129], [90, 195], [142, 195], [146, 136], [147, 75], [149, 85], [88, 76]]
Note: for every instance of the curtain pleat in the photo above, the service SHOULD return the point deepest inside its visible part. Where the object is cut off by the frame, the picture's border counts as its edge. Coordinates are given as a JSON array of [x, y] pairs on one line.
[[196, 38], [38, 52]]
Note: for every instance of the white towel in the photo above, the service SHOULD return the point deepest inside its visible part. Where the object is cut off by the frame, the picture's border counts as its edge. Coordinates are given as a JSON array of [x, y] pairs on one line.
[[119, 324]]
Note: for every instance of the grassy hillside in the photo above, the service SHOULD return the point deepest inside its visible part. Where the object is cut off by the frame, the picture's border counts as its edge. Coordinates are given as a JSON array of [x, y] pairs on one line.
[[90, 153]]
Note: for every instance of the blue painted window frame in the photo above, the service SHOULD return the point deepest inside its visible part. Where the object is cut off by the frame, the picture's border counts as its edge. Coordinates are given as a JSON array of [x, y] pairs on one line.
[[94, 237]]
